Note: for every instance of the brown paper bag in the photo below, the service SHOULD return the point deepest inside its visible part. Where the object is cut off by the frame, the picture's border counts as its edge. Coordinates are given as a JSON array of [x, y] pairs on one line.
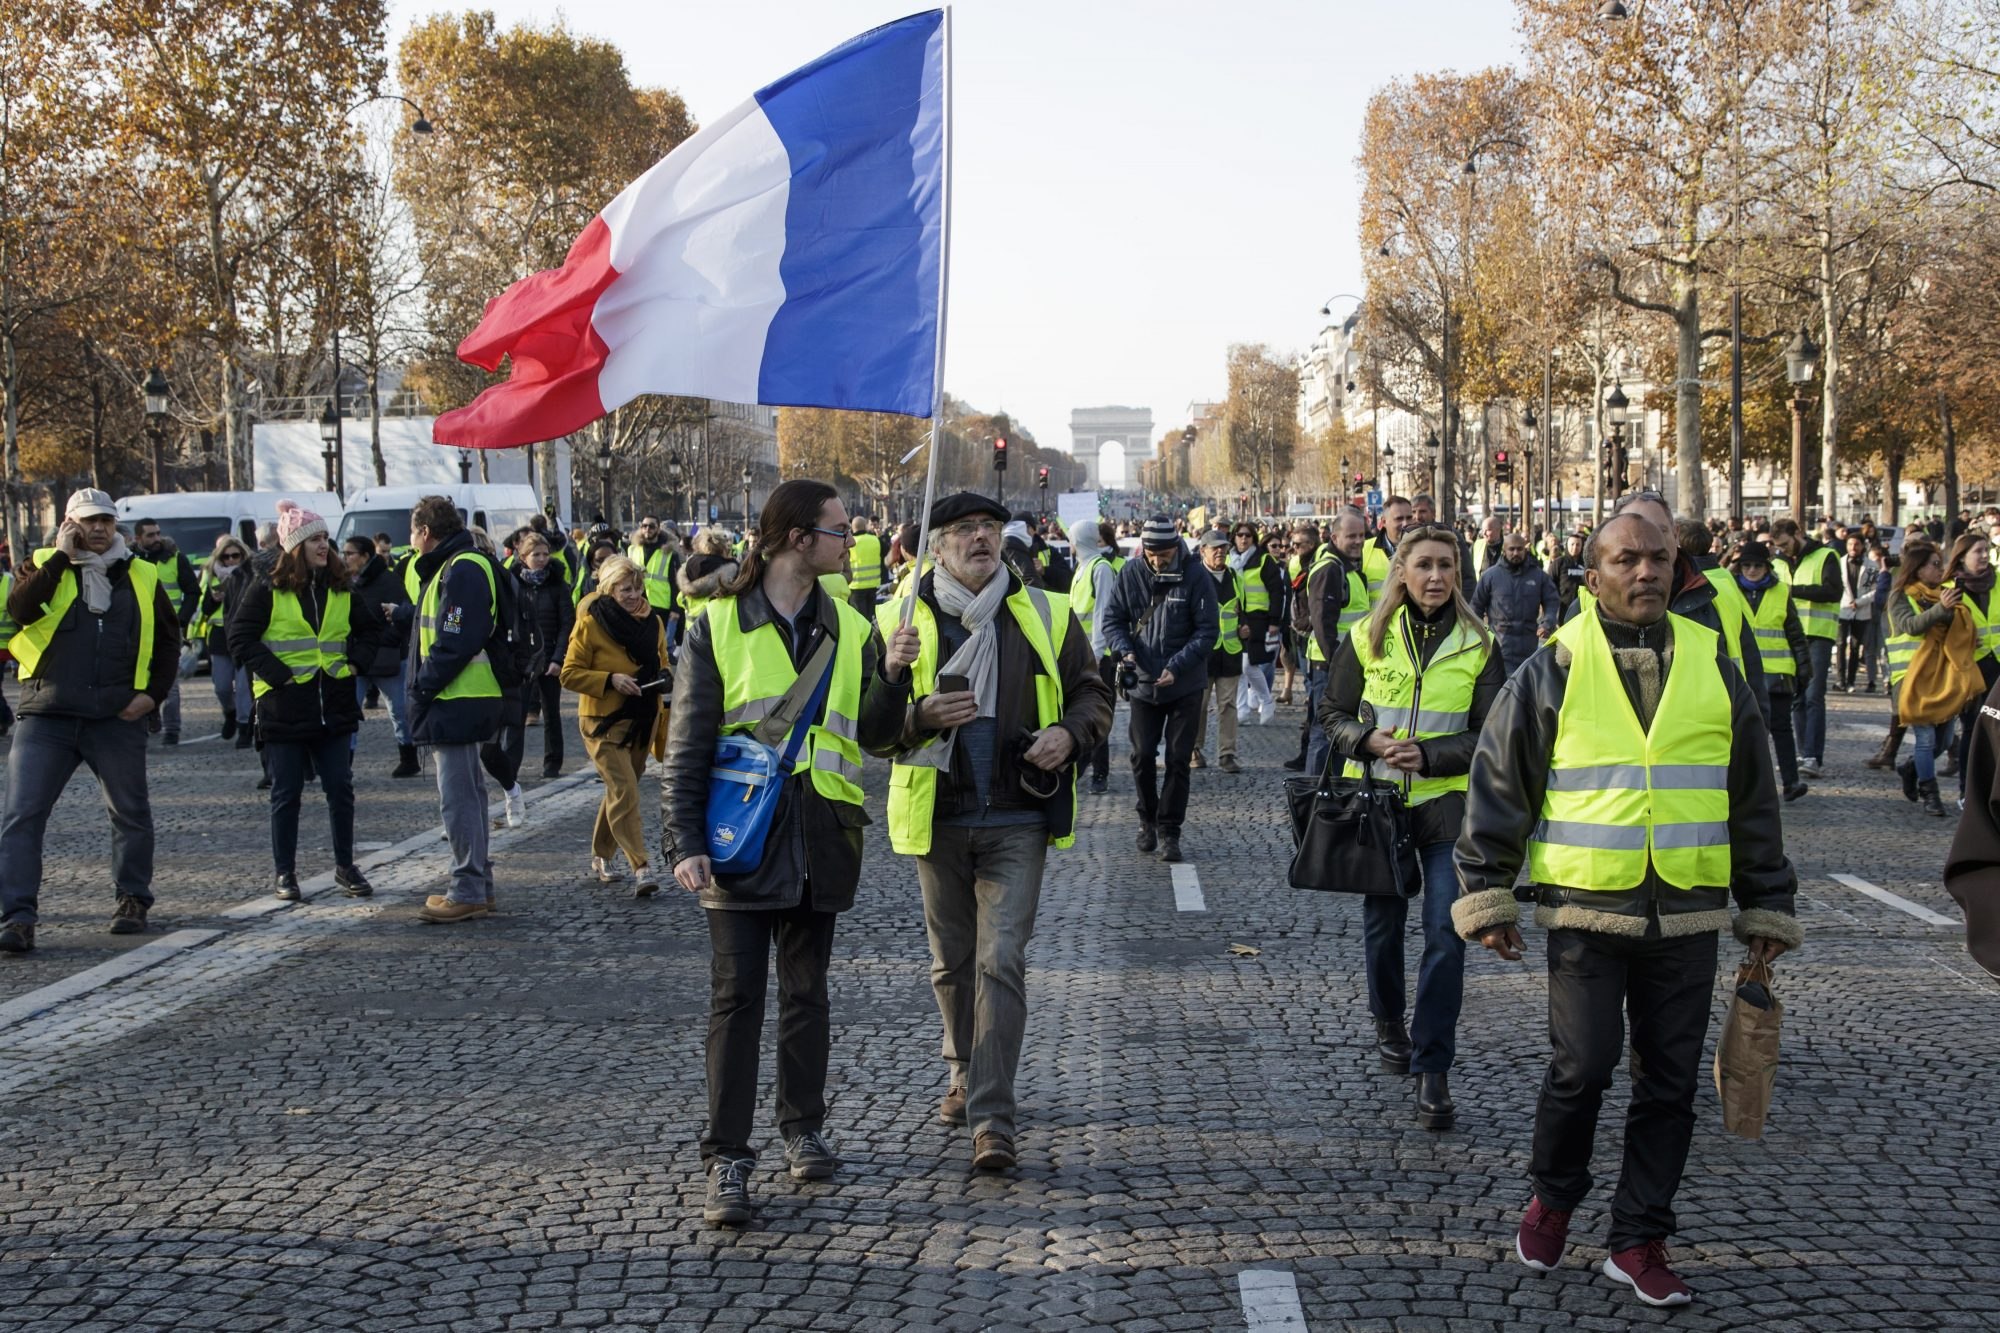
[[1746, 1055]]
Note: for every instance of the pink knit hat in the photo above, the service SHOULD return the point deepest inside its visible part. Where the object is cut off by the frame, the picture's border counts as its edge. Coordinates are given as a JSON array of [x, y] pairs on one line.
[[296, 524]]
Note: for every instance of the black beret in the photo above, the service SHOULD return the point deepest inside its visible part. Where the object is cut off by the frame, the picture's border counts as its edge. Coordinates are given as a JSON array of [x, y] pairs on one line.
[[964, 505]]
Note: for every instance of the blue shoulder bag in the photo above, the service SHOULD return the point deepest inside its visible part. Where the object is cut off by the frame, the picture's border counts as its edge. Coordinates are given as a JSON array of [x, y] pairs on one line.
[[749, 771]]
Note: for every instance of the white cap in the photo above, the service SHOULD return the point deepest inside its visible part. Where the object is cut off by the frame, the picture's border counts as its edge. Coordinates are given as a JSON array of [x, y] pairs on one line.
[[89, 503]]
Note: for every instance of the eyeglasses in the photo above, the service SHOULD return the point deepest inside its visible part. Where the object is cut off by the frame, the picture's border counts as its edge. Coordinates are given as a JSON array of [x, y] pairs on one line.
[[228, 559], [842, 533], [971, 527]]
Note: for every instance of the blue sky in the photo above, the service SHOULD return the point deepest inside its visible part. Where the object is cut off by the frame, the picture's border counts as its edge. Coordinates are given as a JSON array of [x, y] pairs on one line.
[[1138, 185]]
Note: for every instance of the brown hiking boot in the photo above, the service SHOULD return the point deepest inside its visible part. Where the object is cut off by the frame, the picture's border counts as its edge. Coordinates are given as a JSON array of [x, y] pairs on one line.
[[447, 911], [130, 918], [951, 1110], [992, 1151], [1886, 756]]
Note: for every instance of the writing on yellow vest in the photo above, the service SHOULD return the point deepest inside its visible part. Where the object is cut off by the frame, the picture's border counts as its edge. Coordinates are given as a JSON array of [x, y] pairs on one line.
[[1421, 703], [477, 680]]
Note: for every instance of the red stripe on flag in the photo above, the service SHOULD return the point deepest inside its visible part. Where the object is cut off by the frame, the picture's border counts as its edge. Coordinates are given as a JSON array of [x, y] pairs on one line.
[[543, 324]]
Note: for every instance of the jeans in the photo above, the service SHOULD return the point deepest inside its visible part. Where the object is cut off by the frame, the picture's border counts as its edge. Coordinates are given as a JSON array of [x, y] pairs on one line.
[[1163, 798], [1100, 757], [739, 965], [332, 759], [170, 709], [1853, 648], [1317, 744], [462, 802], [1594, 979], [1809, 704], [1440, 974], [1932, 741], [981, 887], [46, 752], [392, 689], [1873, 653], [1218, 697], [1778, 709], [232, 686]]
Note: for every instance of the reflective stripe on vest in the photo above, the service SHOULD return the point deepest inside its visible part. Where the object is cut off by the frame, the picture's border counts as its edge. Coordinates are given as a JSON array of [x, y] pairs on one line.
[[866, 562], [1767, 622], [1256, 596], [659, 572], [304, 651], [1732, 608], [1900, 649], [1820, 620], [31, 641], [1352, 612], [477, 680], [756, 670], [1044, 620], [1082, 592], [1228, 637], [1618, 796], [1374, 570], [7, 625], [168, 571], [1418, 704], [1986, 623]]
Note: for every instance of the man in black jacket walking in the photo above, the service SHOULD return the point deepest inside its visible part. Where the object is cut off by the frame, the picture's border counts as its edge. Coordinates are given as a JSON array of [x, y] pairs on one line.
[[1162, 620]]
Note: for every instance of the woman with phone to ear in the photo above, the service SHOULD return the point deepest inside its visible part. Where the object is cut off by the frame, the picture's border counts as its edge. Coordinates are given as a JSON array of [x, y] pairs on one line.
[[616, 665]]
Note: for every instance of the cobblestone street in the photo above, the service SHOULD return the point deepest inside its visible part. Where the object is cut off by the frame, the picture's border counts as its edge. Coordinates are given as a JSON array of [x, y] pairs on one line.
[[333, 1116]]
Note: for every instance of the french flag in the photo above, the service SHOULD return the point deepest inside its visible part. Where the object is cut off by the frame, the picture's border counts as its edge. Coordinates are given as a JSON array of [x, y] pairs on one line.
[[790, 254]]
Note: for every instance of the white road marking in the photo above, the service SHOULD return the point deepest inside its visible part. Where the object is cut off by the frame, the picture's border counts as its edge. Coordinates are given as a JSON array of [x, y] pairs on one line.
[[197, 740], [124, 965], [1271, 1301], [1901, 904], [1187, 889]]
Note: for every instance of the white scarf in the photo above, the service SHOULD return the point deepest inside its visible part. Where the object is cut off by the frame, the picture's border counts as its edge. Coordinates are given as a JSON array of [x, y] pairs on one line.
[[94, 570], [977, 659]]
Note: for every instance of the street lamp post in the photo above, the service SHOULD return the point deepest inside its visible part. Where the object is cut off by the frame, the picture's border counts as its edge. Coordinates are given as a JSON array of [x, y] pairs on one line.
[[1617, 410], [156, 394], [1435, 448], [604, 482], [329, 439], [1530, 427], [674, 481], [1801, 359], [748, 477], [465, 467]]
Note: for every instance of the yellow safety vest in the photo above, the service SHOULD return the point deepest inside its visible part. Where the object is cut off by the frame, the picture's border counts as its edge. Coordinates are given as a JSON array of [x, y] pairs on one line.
[[305, 651], [1351, 614], [31, 641], [1820, 620], [1044, 619], [1413, 703], [1732, 608], [7, 625], [866, 562], [204, 621], [835, 584], [1228, 638], [171, 580], [659, 572], [1767, 622], [1618, 796], [1901, 648], [1083, 590], [1256, 597], [477, 680], [1375, 570], [1986, 623], [757, 672]]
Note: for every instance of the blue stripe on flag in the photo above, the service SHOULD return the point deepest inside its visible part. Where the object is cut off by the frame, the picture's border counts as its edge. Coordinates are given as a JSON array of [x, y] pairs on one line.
[[864, 128]]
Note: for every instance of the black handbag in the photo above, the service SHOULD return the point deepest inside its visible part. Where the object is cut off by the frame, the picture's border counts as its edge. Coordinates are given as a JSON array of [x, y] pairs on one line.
[[1351, 836]]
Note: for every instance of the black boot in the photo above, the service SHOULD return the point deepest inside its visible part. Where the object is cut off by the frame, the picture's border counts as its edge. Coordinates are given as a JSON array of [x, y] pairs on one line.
[[229, 726], [1907, 771], [1434, 1106], [1887, 754], [246, 734], [1392, 1044], [406, 762], [1929, 792]]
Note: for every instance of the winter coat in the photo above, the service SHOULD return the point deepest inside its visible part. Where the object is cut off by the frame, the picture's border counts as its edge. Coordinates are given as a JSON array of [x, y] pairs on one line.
[[1942, 677], [1166, 625], [547, 617], [378, 586], [465, 616], [1972, 870], [590, 658], [1516, 604], [703, 575], [1325, 599], [814, 843], [1858, 578], [87, 670], [178, 574], [1509, 780], [1692, 597], [888, 726], [301, 710]]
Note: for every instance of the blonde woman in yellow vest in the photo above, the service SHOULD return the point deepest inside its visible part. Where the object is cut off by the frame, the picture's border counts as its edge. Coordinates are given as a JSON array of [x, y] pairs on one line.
[[1406, 694], [741, 657], [97, 645], [297, 633], [1627, 769]]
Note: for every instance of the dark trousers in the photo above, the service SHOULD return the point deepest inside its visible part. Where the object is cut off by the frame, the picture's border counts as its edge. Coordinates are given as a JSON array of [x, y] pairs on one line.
[[1163, 797], [1809, 704], [501, 756], [1594, 980], [1968, 721], [1100, 758], [863, 600], [1854, 651], [739, 964], [548, 690], [1778, 709], [46, 752], [330, 757], [1441, 974]]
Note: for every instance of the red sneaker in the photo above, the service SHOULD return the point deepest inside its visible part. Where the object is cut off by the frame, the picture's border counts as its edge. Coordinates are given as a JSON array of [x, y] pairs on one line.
[[1644, 1269], [1542, 1238]]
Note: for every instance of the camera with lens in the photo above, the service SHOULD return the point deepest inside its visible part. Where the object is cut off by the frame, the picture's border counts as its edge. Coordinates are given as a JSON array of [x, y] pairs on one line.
[[1128, 677]]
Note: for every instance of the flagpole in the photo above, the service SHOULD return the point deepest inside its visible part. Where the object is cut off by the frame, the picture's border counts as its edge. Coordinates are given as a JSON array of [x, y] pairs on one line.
[[943, 302]]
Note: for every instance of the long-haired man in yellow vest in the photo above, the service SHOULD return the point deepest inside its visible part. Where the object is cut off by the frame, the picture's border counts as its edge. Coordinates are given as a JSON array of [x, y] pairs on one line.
[[986, 702], [98, 644], [1629, 769], [774, 632]]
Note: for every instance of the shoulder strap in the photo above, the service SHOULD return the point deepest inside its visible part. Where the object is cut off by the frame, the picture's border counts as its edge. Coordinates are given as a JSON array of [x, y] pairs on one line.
[[800, 705]]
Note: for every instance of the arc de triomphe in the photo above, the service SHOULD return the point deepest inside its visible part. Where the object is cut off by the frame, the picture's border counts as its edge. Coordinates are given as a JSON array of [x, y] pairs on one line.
[[1091, 428]]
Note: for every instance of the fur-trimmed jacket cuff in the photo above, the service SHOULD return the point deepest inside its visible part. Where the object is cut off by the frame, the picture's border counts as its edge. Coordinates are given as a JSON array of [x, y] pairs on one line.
[[1762, 921], [1476, 913]]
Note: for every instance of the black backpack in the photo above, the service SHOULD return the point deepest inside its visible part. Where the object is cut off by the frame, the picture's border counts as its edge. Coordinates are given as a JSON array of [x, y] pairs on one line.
[[511, 646]]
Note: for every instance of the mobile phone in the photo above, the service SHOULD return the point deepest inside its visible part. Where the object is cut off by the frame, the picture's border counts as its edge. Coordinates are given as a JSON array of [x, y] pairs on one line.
[[659, 684], [953, 685]]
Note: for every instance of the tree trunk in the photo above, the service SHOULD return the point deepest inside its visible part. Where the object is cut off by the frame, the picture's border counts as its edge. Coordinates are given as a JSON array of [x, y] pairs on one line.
[[1950, 460], [1829, 426], [551, 483], [1892, 486], [1692, 500], [10, 428], [375, 424]]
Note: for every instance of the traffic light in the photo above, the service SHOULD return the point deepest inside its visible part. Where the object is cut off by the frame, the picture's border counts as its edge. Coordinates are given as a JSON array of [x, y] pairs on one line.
[[1000, 453], [1503, 466], [1042, 478]]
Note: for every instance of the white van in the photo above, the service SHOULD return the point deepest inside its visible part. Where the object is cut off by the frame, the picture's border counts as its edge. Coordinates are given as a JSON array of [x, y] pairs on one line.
[[194, 519], [498, 507]]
